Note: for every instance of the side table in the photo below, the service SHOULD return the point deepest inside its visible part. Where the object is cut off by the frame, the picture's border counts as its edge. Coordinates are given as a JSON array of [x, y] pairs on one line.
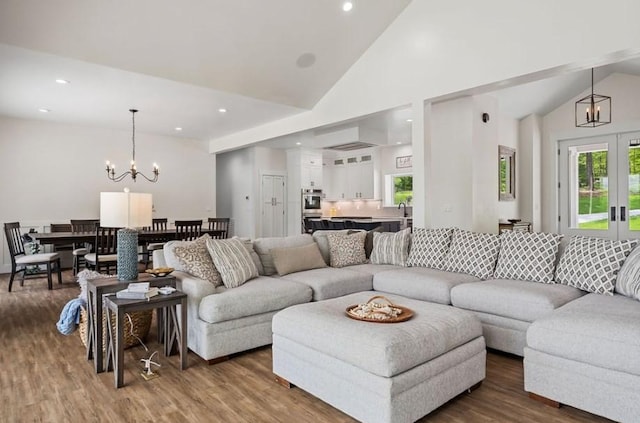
[[96, 289], [175, 330]]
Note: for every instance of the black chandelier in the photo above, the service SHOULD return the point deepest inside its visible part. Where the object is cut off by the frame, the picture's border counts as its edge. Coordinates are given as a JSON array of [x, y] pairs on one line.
[[597, 109], [111, 168]]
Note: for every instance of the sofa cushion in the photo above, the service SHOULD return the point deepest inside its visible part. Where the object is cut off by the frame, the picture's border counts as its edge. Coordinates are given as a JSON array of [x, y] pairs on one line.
[[391, 247], [372, 269], [521, 300], [320, 237], [591, 264], [429, 247], [232, 260], [473, 253], [628, 279], [420, 283], [527, 256], [296, 259], [346, 249], [330, 282], [600, 330], [192, 257], [263, 247], [257, 296]]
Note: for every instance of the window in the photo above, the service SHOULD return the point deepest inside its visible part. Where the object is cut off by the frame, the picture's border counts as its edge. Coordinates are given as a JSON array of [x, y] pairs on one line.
[[398, 189]]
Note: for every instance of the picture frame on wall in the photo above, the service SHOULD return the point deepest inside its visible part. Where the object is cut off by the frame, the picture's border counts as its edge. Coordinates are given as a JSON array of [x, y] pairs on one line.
[[404, 161]]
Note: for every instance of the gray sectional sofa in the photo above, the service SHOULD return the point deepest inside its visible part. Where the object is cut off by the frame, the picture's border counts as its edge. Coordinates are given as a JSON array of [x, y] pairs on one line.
[[579, 349]]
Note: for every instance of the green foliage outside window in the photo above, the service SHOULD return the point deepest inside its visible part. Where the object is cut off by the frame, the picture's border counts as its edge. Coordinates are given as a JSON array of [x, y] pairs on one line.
[[402, 189]]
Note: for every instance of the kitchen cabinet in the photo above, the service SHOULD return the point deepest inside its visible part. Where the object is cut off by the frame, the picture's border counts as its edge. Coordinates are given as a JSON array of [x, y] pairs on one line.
[[352, 179], [311, 170]]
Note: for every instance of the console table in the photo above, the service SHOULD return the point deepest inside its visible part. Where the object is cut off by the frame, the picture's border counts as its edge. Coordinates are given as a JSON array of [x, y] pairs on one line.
[[96, 289], [174, 329]]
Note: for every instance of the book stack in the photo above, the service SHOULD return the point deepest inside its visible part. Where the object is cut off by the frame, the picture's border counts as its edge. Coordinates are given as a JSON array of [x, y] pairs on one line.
[[137, 291]]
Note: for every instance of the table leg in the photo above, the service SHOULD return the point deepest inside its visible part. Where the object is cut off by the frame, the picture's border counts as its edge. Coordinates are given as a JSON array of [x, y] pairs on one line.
[[97, 333], [90, 323], [119, 361], [110, 341], [183, 334]]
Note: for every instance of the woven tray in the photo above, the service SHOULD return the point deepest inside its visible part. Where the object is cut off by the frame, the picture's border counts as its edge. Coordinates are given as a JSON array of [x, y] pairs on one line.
[[379, 312], [141, 325]]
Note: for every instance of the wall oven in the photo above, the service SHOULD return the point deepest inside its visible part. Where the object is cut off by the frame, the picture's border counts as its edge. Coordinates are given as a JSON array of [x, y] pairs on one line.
[[311, 199]]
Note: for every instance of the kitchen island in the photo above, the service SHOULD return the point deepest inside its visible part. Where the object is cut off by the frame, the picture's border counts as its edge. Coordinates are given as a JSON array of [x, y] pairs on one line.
[[366, 223]]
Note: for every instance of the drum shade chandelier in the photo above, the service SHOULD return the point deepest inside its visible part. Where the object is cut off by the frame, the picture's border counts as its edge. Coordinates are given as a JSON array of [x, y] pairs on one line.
[[593, 110], [133, 171]]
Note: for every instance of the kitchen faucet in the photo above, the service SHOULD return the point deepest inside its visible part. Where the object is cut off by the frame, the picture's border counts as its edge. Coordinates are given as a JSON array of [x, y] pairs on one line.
[[403, 204]]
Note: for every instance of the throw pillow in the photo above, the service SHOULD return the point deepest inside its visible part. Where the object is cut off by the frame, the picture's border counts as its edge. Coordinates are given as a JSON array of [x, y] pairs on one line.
[[346, 249], [192, 257], [591, 264], [232, 261], [263, 247], [391, 247], [628, 280], [527, 256], [297, 259], [473, 253], [368, 241], [429, 247], [248, 244], [320, 237]]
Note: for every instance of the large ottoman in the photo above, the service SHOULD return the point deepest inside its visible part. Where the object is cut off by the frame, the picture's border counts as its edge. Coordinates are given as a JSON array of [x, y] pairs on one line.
[[375, 372]]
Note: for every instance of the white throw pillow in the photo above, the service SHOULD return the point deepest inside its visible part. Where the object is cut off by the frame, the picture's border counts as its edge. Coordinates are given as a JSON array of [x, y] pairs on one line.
[[473, 253], [527, 256], [591, 264], [232, 260], [391, 247], [628, 280]]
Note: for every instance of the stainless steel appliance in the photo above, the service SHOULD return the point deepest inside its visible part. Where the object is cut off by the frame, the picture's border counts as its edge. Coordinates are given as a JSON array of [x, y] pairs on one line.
[[311, 199]]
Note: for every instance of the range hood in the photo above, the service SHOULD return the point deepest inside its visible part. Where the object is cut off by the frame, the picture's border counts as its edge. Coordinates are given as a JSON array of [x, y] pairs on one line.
[[351, 138]]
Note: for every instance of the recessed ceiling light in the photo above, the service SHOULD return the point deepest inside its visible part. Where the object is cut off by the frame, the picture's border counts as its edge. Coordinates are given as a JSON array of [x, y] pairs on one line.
[[409, 120], [298, 143], [62, 81], [178, 129], [44, 110], [347, 6], [222, 110]]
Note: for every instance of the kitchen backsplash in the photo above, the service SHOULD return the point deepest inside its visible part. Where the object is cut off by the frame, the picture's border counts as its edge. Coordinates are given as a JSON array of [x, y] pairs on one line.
[[361, 208]]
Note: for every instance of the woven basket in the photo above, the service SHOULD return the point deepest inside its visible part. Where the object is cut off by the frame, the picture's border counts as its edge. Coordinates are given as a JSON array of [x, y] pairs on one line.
[[141, 325]]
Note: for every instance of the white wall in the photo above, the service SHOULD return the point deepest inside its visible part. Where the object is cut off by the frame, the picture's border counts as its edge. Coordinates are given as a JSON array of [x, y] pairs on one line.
[[438, 48], [54, 172], [508, 136], [528, 168], [560, 124]]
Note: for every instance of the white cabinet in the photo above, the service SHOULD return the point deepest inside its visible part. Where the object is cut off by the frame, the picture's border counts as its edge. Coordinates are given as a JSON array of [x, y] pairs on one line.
[[352, 179], [311, 170], [273, 216]]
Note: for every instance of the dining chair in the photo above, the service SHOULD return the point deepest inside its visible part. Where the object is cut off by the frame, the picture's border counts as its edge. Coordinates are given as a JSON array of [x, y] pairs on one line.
[[154, 243], [219, 224], [105, 254], [336, 225], [316, 225], [21, 262], [80, 250], [188, 230], [61, 227]]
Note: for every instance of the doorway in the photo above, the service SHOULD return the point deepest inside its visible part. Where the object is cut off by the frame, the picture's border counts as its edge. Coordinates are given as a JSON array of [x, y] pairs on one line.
[[599, 188], [272, 206]]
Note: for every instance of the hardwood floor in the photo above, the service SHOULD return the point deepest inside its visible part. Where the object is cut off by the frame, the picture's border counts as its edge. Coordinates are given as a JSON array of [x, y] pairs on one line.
[[44, 376]]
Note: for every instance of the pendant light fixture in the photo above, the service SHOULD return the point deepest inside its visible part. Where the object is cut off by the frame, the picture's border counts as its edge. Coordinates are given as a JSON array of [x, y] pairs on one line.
[[133, 171], [593, 110]]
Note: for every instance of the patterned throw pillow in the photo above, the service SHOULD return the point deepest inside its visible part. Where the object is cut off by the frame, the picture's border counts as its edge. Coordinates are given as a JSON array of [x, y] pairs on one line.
[[473, 253], [192, 257], [391, 247], [232, 260], [527, 256], [429, 247], [591, 263], [346, 249], [628, 280]]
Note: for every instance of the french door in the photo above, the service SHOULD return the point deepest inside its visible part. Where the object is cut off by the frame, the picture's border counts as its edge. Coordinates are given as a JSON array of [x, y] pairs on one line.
[[600, 186]]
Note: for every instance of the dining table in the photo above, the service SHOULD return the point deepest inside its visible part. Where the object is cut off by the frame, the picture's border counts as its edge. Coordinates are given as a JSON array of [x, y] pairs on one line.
[[144, 236]]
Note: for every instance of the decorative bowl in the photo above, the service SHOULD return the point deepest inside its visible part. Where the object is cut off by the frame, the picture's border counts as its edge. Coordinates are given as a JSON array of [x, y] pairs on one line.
[[514, 220], [160, 271]]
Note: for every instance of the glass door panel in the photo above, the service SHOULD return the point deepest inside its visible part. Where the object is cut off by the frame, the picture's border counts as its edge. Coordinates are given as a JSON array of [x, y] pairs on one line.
[[629, 202]]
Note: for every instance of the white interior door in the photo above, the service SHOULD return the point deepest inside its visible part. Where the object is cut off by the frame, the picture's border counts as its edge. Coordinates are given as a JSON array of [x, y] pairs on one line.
[[273, 206], [599, 189]]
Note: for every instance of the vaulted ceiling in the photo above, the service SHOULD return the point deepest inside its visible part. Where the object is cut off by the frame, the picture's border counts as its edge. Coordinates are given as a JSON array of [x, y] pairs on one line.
[[179, 62]]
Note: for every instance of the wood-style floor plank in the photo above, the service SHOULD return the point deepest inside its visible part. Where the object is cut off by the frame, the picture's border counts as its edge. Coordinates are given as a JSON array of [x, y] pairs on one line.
[[44, 376]]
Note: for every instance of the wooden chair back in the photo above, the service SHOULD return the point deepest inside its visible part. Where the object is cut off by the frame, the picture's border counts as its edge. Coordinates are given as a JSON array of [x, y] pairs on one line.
[[14, 240], [160, 224], [188, 230], [106, 241], [219, 224], [60, 227], [84, 225]]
